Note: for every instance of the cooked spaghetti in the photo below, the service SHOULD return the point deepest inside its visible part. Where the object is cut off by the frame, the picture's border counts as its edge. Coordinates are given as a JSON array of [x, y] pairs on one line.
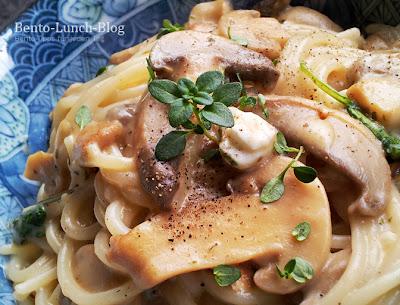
[[169, 179]]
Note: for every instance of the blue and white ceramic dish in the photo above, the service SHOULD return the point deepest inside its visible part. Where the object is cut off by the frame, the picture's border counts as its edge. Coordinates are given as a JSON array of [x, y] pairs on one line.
[[37, 65]]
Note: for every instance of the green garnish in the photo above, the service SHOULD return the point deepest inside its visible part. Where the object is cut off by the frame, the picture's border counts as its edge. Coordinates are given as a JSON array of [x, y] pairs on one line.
[[83, 116], [152, 74], [210, 154], [226, 275], [301, 231], [207, 100], [101, 71], [275, 187], [305, 174], [168, 27], [390, 142], [242, 41], [281, 146], [29, 223], [297, 269], [261, 102]]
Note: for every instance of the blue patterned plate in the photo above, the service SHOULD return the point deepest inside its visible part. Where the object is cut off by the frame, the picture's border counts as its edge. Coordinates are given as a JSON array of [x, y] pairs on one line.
[[36, 68]]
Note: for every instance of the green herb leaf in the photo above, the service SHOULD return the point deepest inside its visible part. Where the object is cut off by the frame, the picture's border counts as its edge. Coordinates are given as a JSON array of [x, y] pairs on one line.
[[261, 102], [297, 269], [163, 90], [226, 275], [180, 112], [218, 114], [305, 174], [168, 27], [273, 190], [210, 81], [150, 69], [203, 98], [247, 101], [83, 116], [280, 145], [189, 125], [301, 231], [206, 123], [240, 40], [29, 223], [210, 154], [101, 71], [186, 86], [228, 93], [171, 145]]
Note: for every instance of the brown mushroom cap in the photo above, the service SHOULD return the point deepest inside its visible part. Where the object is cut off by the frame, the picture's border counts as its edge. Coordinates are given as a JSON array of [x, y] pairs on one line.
[[230, 230], [190, 53], [343, 142]]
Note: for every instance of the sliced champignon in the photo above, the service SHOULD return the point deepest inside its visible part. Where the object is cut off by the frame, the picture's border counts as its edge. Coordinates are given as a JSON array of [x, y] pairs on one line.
[[263, 35], [190, 53], [184, 179], [159, 179], [337, 139], [230, 230]]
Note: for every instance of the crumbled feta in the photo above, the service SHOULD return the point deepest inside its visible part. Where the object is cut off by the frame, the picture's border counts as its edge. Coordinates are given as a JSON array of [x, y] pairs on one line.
[[248, 141]]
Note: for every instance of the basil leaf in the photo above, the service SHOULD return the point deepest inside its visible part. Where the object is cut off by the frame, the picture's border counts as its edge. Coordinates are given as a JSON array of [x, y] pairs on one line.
[[280, 145], [186, 86], [83, 116], [209, 81], [180, 112], [163, 90], [228, 93], [218, 114], [301, 231], [171, 145], [273, 190], [203, 98], [226, 275], [297, 269], [305, 174], [152, 74]]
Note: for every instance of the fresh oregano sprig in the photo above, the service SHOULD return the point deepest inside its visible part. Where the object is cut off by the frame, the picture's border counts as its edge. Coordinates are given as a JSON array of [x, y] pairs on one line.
[[275, 188], [297, 269], [390, 142], [194, 108], [226, 275], [168, 27], [251, 101], [301, 231]]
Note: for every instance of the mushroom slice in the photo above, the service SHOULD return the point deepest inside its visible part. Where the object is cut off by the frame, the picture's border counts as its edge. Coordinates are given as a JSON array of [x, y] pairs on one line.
[[341, 141], [190, 53], [230, 230], [264, 35]]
